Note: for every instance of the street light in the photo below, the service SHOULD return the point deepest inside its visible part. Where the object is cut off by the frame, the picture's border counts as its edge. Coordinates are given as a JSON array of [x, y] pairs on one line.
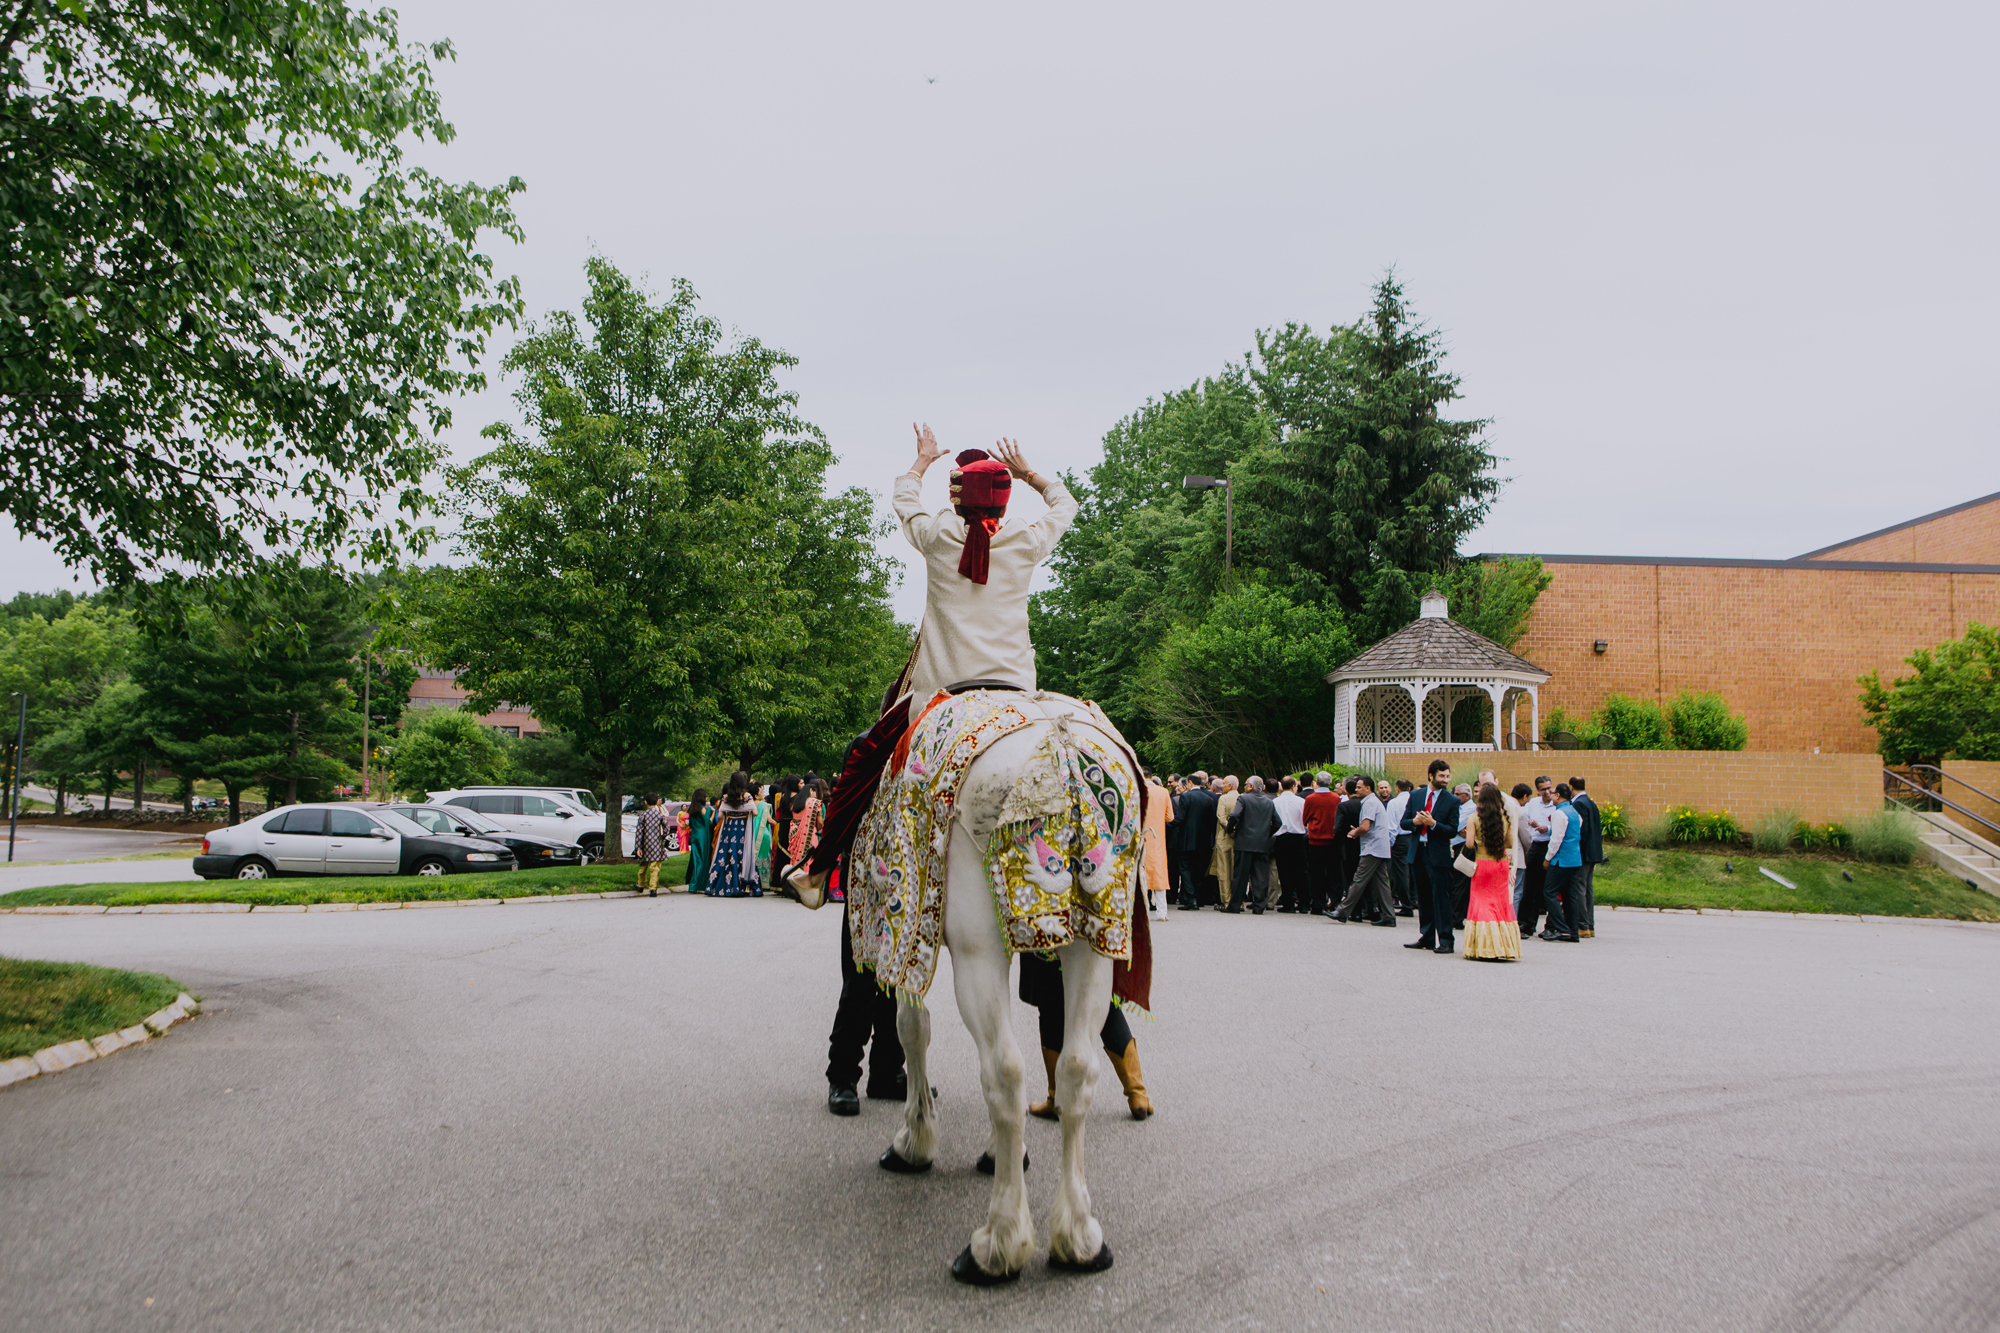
[[1228, 514]]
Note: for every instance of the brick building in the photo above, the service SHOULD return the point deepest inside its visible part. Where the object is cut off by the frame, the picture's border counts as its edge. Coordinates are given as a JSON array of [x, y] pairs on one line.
[[439, 689], [1782, 640]]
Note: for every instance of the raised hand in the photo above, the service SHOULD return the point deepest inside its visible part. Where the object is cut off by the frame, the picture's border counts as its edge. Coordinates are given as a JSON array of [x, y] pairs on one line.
[[928, 449], [1009, 452]]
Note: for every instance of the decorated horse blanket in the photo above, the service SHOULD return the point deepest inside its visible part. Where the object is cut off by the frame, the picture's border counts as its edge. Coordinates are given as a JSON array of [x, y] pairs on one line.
[[1062, 864]]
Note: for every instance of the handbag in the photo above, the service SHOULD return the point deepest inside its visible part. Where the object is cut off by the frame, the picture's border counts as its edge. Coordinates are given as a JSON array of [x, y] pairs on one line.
[[1464, 865]]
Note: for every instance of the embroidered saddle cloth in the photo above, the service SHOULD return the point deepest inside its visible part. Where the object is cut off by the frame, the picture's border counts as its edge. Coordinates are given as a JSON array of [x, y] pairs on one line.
[[1062, 863]]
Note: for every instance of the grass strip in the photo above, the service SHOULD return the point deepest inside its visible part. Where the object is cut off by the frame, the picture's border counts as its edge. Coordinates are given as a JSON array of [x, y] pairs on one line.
[[42, 1004], [1636, 877], [350, 888]]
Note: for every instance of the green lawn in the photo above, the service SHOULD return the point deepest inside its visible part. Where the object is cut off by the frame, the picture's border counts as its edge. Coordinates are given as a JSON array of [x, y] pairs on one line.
[[1634, 877], [351, 889], [42, 1004]]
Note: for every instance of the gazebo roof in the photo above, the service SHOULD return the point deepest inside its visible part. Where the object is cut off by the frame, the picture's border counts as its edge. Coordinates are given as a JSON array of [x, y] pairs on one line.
[[1436, 646]]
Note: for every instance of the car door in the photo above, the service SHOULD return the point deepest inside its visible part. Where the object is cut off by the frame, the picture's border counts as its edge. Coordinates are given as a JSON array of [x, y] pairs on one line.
[[296, 842], [357, 845], [502, 810], [548, 818]]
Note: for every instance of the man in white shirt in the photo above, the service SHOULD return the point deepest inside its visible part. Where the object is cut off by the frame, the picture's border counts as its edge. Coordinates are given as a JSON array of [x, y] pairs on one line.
[[1289, 855], [1369, 893], [1538, 814]]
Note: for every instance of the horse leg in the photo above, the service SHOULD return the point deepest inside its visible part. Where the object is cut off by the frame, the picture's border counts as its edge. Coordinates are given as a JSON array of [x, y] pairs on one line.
[[1075, 1238], [916, 1142], [979, 972]]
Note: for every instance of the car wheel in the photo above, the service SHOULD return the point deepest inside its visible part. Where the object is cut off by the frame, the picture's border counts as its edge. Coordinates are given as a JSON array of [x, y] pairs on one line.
[[433, 866], [592, 852], [253, 867]]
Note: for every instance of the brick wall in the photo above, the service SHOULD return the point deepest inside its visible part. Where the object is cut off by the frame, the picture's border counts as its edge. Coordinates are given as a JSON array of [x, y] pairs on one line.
[[1982, 774], [1968, 536], [1783, 644], [1646, 782]]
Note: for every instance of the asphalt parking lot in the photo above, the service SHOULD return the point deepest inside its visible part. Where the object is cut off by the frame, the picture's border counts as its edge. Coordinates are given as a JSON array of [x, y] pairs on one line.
[[610, 1115]]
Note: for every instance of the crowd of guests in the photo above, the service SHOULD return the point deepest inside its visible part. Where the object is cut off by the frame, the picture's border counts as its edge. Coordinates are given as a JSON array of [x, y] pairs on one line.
[[1373, 850], [740, 843]]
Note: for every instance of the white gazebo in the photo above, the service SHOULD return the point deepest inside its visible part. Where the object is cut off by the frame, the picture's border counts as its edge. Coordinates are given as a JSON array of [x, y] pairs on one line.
[[1398, 696]]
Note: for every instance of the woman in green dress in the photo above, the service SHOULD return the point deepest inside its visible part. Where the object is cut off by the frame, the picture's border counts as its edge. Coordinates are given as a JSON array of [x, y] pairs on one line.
[[700, 839]]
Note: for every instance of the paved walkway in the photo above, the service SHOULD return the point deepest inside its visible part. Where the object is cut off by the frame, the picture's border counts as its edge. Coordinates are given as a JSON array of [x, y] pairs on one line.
[[609, 1115]]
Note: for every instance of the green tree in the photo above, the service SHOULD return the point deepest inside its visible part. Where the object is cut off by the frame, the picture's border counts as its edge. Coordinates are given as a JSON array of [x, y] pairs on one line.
[[629, 548], [234, 313], [246, 684], [1702, 721], [63, 664], [1371, 488], [444, 748], [1494, 597], [1245, 688], [1948, 707]]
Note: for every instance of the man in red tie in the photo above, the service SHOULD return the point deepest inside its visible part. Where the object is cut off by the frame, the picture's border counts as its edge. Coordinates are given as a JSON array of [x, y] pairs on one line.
[[1431, 818]]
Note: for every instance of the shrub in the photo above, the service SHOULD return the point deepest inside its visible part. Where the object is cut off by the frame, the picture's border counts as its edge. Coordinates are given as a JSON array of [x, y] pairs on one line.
[[1686, 824], [1657, 832], [1704, 722], [1616, 823], [1776, 830], [1637, 723], [1835, 835], [1888, 836]]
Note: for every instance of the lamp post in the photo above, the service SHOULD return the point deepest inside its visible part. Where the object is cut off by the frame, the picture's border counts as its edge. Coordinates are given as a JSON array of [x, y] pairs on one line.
[[14, 801], [1228, 486]]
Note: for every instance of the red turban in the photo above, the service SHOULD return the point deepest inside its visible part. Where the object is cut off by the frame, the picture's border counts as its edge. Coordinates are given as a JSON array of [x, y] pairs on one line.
[[983, 484]]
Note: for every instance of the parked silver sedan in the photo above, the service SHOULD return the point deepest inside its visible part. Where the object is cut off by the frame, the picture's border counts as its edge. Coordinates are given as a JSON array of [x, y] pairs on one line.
[[339, 839]]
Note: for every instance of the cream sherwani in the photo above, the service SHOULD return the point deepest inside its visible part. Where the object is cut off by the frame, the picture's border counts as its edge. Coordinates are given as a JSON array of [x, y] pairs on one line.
[[975, 631]]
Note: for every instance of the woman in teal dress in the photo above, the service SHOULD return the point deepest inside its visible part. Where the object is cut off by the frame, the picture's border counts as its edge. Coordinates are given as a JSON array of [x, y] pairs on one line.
[[700, 839]]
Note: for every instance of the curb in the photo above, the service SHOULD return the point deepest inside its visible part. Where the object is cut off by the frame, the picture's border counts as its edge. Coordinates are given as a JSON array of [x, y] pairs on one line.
[[200, 909], [1803, 916], [69, 1054]]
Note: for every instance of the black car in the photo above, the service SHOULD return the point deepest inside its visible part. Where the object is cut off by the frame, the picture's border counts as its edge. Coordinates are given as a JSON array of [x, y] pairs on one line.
[[452, 821], [341, 839]]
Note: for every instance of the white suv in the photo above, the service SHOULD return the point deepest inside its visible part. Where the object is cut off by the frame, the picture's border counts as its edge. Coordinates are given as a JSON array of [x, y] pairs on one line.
[[548, 812]]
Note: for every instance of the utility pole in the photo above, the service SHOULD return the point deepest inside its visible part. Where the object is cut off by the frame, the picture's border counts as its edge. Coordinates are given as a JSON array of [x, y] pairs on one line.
[[20, 744], [367, 670]]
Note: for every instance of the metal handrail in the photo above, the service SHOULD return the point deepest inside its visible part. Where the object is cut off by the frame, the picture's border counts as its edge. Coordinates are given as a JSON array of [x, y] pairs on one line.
[[1993, 829], [1933, 768]]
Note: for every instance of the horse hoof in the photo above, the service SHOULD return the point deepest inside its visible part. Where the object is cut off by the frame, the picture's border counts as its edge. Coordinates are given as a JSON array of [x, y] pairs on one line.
[[967, 1270], [891, 1160], [1097, 1265], [984, 1166]]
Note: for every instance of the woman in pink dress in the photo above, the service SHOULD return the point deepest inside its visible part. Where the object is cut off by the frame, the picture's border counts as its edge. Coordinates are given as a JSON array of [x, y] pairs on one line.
[[808, 820], [1491, 932]]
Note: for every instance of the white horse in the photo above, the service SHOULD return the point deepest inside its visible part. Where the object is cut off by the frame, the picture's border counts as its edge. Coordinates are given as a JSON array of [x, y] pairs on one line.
[[1003, 1245]]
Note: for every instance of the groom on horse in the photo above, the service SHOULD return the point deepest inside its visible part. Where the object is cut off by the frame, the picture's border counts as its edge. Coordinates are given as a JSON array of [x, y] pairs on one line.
[[975, 629]]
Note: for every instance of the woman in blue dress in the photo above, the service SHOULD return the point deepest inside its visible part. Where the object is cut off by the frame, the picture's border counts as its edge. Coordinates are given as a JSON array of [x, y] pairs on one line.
[[732, 873]]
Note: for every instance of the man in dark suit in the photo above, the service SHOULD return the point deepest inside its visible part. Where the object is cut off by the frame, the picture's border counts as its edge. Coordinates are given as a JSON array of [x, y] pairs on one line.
[[1198, 809], [1431, 820], [1176, 828], [1584, 920], [1254, 826]]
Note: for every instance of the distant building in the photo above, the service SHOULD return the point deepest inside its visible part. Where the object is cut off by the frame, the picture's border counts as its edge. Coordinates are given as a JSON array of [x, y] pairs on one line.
[[1782, 640], [439, 689]]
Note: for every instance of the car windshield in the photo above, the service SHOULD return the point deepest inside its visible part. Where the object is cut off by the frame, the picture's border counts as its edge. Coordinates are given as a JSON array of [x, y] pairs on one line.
[[409, 828], [472, 819]]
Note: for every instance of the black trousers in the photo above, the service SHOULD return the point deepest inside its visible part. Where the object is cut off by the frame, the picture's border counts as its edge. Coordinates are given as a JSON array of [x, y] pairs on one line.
[[1197, 885], [1041, 986], [1559, 892], [1288, 853], [864, 1008], [1172, 888], [1253, 878], [1399, 874], [1532, 888], [1322, 875], [1436, 898]]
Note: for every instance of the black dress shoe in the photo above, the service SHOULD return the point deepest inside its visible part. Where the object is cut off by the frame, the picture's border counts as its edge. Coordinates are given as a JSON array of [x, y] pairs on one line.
[[1233, 911], [1443, 948], [1406, 911], [1384, 921], [1571, 938], [1421, 942], [841, 1099], [1256, 911]]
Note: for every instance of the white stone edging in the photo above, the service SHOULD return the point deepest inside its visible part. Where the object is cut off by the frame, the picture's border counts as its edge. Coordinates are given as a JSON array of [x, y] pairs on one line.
[[68, 1054], [186, 909]]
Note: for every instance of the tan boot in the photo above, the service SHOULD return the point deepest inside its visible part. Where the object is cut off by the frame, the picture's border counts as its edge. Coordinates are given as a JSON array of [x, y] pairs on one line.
[[1127, 1066], [1046, 1108]]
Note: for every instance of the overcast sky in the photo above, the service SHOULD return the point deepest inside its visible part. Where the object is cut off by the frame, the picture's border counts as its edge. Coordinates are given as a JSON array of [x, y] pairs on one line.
[[1723, 275]]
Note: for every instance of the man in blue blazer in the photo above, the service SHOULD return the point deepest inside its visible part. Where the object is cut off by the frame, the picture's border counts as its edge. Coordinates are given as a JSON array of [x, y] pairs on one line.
[[1431, 820]]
